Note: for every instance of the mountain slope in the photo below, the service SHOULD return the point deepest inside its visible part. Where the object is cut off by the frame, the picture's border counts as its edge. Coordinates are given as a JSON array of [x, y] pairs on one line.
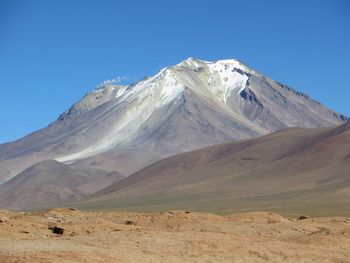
[[291, 171], [50, 183], [184, 107]]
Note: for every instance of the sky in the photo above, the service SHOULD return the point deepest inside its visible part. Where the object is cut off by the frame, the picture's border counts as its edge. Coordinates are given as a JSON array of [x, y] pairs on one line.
[[53, 52]]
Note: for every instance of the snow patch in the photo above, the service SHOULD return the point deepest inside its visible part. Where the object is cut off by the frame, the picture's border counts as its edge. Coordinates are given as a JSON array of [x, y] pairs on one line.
[[225, 79], [121, 91], [170, 90]]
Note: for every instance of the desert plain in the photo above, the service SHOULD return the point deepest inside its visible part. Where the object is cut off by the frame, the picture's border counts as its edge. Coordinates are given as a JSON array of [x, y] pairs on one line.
[[172, 236]]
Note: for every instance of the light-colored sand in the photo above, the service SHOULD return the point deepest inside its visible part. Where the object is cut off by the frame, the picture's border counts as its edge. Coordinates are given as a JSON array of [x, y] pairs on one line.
[[175, 236]]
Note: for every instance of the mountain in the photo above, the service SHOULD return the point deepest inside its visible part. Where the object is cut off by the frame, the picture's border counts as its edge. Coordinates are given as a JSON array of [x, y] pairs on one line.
[[293, 171], [184, 107], [50, 183]]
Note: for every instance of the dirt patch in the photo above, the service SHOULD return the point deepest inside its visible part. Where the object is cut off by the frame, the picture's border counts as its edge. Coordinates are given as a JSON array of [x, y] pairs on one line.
[[174, 236]]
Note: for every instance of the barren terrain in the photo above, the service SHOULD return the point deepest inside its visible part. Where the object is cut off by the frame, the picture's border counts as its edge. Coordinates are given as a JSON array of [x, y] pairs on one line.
[[291, 172], [174, 236]]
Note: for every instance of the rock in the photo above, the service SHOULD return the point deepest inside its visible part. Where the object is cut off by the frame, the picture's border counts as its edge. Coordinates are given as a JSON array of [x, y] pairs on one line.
[[57, 230], [3, 219], [129, 223], [302, 217]]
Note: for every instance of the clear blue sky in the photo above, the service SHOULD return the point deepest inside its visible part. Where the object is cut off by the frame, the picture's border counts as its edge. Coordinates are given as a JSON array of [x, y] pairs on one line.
[[53, 52]]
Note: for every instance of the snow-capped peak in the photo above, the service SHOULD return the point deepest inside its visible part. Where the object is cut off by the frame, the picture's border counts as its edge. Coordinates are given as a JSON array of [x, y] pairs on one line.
[[219, 79], [220, 83], [226, 63]]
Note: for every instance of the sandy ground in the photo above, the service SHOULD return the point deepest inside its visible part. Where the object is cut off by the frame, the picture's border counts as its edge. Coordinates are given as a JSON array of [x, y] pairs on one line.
[[174, 236]]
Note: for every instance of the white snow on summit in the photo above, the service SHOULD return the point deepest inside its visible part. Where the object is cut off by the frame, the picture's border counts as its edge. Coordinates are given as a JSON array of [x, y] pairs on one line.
[[225, 77], [215, 80]]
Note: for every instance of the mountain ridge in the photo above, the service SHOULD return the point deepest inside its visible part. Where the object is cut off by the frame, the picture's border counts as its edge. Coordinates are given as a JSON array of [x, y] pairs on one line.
[[50, 183], [183, 107], [291, 171]]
